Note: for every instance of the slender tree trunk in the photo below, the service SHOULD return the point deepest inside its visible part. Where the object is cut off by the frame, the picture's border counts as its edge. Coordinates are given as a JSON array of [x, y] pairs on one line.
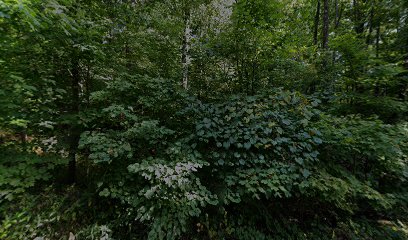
[[88, 82], [358, 23], [355, 12], [74, 131], [23, 139], [73, 149], [339, 14], [377, 41], [370, 29], [253, 77], [336, 6], [326, 22], [316, 23], [127, 56], [337, 23], [404, 90], [185, 58]]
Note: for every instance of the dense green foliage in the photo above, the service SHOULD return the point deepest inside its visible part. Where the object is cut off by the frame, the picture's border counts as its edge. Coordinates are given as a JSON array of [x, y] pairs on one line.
[[203, 119]]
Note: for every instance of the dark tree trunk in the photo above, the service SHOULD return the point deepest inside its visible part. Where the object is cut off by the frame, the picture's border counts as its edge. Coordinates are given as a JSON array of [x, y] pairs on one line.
[[338, 15], [370, 29], [73, 148], [88, 82], [74, 131], [336, 6], [326, 22], [358, 23], [337, 24], [316, 23], [404, 90], [377, 42]]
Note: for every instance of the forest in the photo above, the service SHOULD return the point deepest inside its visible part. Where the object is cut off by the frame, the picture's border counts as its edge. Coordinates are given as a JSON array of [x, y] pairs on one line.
[[203, 119]]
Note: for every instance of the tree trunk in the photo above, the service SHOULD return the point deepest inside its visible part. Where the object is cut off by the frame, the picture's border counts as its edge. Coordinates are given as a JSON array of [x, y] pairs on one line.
[[370, 29], [185, 58], [377, 42], [404, 90], [325, 40], [339, 14], [74, 131], [316, 23], [88, 83], [336, 6], [358, 23]]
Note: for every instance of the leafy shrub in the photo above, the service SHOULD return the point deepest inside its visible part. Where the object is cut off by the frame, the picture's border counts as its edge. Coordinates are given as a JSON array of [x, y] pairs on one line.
[[20, 171]]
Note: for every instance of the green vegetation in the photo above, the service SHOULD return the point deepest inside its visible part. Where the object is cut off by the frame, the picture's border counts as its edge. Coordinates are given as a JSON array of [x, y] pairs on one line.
[[203, 119]]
